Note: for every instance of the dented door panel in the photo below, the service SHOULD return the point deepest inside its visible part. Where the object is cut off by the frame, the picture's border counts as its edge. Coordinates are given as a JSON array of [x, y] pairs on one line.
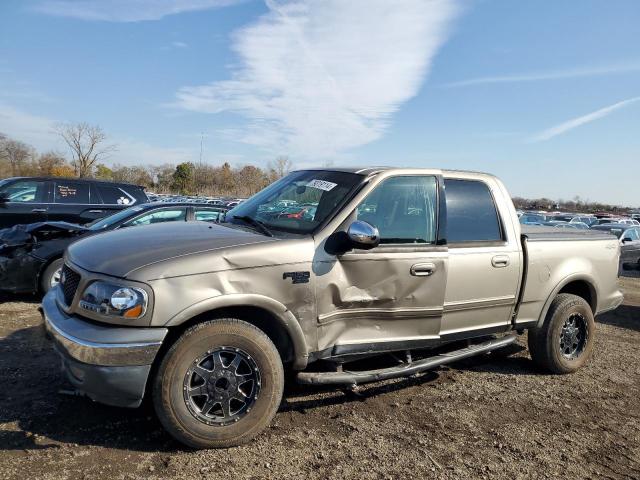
[[367, 297]]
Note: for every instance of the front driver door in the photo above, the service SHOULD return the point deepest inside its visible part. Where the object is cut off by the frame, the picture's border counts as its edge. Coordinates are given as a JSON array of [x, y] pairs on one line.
[[25, 201], [390, 297]]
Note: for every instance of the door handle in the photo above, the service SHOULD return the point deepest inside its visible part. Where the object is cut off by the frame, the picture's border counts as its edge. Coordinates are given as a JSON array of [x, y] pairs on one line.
[[39, 210], [500, 261], [96, 211], [423, 269]]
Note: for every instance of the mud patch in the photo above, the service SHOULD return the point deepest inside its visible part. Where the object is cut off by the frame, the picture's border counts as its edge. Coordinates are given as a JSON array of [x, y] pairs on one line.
[[487, 417]]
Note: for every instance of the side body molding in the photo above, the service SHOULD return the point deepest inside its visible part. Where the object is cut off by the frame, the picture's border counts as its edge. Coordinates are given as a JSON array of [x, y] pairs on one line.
[[280, 312]]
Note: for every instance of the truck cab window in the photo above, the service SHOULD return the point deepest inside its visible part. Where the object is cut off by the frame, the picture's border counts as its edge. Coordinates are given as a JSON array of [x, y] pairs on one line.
[[71, 192], [632, 233], [24, 191], [471, 212], [208, 214], [170, 215], [115, 196], [403, 209]]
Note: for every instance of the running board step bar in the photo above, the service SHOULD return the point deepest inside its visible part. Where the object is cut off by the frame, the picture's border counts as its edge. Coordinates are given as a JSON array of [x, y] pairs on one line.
[[405, 370]]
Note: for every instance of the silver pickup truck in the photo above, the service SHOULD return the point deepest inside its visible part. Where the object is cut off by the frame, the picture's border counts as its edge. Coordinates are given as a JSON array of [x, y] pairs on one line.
[[319, 269]]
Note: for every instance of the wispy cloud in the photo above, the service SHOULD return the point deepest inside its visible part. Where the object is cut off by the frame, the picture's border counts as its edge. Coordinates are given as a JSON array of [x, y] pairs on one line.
[[317, 78], [125, 10], [179, 44], [34, 129], [578, 121], [551, 75]]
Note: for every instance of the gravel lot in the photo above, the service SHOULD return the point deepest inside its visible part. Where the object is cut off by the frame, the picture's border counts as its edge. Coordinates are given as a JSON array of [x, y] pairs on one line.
[[484, 418]]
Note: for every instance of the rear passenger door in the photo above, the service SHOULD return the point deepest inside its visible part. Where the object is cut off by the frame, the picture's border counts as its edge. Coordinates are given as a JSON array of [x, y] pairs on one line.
[[484, 260], [70, 200]]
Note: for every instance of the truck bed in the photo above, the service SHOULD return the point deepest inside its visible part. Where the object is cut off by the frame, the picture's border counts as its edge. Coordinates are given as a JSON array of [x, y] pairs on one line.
[[577, 259], [535, 233]]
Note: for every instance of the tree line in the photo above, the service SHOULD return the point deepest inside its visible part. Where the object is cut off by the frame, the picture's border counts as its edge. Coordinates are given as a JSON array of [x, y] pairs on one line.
[[89, 149]]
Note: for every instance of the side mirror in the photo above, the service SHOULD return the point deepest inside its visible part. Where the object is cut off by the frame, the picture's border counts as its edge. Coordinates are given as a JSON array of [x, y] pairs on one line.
[[363, 235], [4, 198], [626, 239]]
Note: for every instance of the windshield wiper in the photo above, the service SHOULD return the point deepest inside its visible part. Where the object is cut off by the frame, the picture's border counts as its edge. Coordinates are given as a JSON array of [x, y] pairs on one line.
[[256, 223]]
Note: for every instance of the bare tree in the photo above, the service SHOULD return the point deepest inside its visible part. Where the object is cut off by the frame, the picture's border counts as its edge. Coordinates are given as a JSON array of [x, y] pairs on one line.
[[281, 167], [16, 153], [87, 145]]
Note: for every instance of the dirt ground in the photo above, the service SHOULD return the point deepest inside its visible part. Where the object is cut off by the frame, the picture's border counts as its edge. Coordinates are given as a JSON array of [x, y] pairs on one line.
[[484, 418]]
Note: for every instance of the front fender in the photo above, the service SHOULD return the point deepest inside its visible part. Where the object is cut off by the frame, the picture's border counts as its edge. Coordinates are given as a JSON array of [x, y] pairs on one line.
[[280, 312]]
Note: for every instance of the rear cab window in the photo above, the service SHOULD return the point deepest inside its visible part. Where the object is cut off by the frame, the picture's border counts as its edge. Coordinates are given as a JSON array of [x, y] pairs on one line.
[[71, 192], [632, 233], [159, 216], [112, 195], [472, 216], [208, 214]]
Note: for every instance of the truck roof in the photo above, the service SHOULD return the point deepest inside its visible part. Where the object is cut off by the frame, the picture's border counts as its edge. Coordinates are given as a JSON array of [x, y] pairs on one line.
[[368, 171]]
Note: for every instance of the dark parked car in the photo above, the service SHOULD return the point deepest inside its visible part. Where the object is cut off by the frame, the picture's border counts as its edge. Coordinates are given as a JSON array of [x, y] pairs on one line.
[[39, 199], [629, 237], [31, 255]]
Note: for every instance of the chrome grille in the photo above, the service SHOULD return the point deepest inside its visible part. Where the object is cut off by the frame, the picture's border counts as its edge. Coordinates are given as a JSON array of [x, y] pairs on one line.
[[69, 281]]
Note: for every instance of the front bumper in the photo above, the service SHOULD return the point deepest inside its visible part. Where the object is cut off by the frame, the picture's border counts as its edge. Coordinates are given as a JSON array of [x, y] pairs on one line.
[[107, 363]]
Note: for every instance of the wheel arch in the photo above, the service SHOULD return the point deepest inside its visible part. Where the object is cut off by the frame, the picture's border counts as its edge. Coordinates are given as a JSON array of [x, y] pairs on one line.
[[43, 268], [581, 285], [269, 315]]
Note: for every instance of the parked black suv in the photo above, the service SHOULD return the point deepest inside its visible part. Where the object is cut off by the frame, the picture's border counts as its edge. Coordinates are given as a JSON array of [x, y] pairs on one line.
[[38, 199]]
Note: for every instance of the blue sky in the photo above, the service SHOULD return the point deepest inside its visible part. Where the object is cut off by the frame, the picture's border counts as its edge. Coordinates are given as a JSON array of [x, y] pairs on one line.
[[544, 94]]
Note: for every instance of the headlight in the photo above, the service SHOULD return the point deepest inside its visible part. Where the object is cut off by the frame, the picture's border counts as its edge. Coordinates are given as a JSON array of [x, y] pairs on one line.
[[114, 300]]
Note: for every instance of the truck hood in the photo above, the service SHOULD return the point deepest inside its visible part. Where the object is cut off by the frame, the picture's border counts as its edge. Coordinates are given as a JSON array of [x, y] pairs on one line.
[[120, 252]]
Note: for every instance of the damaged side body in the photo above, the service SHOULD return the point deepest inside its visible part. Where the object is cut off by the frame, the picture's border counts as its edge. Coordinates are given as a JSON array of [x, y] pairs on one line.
[[26, 249]]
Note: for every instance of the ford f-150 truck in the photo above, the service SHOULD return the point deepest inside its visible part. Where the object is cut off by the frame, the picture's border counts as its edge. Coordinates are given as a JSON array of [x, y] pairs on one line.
[[205, 318]]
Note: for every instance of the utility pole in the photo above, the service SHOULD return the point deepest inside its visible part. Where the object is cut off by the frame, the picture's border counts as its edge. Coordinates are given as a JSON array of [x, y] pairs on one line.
[[201, 142]]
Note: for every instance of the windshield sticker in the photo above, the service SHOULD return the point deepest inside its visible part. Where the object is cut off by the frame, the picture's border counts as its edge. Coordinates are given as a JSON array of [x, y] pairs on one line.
[[322, 185]]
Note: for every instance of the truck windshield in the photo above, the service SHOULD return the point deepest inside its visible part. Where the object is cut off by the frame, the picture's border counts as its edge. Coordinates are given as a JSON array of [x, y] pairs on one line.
[[297, 203]]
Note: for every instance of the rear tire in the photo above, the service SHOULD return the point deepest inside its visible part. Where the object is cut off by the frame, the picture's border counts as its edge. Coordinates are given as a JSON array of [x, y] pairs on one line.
[[564, 342], [50, 273], [202, 361]]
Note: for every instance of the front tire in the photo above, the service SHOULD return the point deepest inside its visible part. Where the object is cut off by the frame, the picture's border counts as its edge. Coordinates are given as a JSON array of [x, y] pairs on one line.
[[219, 385], [51, 275], [564, 342]]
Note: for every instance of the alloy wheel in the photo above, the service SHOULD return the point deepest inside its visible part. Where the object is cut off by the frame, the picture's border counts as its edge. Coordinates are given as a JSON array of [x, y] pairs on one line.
[[221, 386], [573, 336]]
